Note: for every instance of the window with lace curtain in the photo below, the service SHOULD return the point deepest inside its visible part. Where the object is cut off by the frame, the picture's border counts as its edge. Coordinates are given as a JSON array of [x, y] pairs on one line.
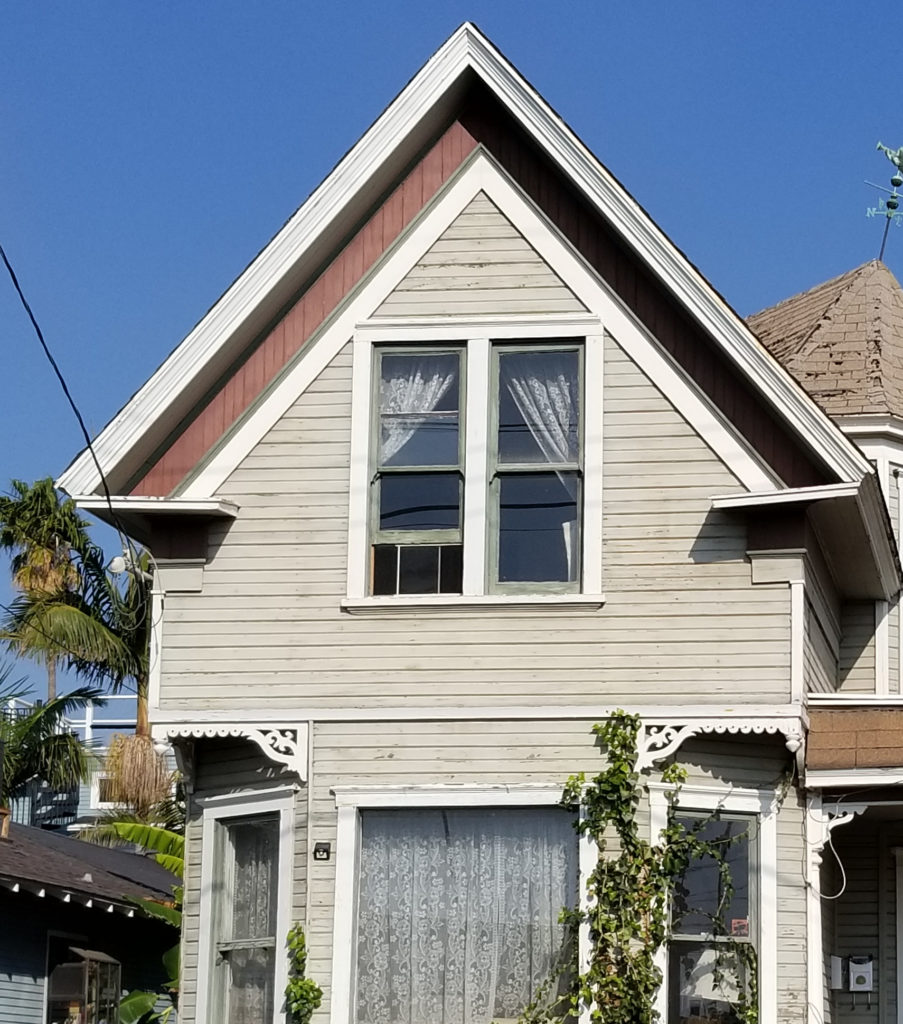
[[458, 911], [522, 490]]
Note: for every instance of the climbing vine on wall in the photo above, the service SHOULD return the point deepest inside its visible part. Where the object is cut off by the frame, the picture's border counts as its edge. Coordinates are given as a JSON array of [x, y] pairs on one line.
[[302, 994], [629, 895]]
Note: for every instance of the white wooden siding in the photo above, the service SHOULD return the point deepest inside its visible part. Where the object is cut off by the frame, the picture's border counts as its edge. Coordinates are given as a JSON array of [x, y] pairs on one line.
[[511, 752], [820, 661], [480, 264], [856, 671], [229, 767], [681, 623]]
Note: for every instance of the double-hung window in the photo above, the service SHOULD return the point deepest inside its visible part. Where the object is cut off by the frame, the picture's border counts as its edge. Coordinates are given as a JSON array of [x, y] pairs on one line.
[[711, 957], [477, 458], [722, 951], [417, 492]]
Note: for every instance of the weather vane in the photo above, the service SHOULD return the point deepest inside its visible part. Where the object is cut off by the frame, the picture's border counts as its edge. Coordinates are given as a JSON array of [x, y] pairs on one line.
[[888, 208]]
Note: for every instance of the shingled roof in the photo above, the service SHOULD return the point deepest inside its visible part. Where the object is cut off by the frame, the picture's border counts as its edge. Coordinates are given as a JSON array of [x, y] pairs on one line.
[[61, 864], [843, 341]]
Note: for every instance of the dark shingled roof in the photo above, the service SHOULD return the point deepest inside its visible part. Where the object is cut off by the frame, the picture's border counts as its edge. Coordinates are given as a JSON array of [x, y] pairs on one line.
[[31, 855], [843, 341]]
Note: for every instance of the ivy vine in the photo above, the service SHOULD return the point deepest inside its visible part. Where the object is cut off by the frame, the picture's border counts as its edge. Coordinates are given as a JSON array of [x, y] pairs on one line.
[[302, 994], [629, 897]]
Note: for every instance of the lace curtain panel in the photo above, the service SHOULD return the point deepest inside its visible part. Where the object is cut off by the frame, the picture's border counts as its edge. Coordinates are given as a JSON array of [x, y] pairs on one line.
[[544, 388], [458, 911], [410, 388]]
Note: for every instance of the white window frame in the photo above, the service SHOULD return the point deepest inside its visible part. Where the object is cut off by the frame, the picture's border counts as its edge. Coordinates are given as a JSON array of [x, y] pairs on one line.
[[477, 339], [351, 800], [761, 803], [220, 809], [96, 802]]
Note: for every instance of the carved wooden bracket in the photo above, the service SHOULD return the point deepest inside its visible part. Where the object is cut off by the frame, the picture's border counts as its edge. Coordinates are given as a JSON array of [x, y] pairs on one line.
[[660, 740], [286, 745]]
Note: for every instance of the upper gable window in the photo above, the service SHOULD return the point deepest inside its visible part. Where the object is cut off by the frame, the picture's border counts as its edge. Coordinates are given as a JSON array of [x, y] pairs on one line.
[[523, 496], [476, 464]]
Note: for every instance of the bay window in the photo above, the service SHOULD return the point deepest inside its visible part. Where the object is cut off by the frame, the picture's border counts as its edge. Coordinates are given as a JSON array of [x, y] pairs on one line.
[[477, 456]]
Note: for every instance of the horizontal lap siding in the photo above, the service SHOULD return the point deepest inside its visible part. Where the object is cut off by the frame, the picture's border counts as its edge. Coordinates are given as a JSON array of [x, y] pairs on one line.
[[23, 961], [820, 665], [378, 753], [856, 672], [480, 264], [681, 622]]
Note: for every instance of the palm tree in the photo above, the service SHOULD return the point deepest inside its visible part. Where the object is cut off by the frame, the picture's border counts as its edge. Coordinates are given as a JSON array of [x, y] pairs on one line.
[[40, 530], [34, 743]]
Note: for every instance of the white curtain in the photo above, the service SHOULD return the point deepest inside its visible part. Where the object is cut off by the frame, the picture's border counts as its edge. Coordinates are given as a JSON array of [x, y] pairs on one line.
[[412, 387], [458, 912], [544, 388]]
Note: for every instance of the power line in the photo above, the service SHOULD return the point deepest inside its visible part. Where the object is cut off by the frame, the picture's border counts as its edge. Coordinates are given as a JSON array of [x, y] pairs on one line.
[[124, 540]]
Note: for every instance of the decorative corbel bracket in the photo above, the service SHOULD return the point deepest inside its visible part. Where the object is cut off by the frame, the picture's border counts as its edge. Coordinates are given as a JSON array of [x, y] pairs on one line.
[[831, 818], [285, 745], [659, 740]]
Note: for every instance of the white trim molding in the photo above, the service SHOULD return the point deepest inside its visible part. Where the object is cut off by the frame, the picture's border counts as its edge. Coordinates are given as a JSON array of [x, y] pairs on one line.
[[350, 801], [370, 165], [214, 812], [764, 804], [281, 743]]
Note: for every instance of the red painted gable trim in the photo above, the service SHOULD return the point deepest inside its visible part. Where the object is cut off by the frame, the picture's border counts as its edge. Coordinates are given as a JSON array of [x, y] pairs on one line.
[[262, 364]]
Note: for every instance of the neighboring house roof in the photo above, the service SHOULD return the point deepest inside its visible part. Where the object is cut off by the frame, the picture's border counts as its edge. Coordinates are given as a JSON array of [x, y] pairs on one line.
[[234, 353], [33, 858], [843, 341]]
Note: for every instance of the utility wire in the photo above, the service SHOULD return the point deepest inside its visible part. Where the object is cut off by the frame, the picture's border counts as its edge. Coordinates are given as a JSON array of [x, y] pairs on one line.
[[125, 541]]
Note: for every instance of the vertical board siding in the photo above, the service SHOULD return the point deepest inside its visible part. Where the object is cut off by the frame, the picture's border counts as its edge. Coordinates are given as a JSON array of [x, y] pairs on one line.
[[231, 766], [480, 264], [263, 361], [374, 753], [856, 671], [681, 621]]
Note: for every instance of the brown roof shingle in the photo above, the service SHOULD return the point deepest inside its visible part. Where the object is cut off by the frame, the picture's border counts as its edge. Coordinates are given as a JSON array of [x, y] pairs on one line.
[[843, 341]]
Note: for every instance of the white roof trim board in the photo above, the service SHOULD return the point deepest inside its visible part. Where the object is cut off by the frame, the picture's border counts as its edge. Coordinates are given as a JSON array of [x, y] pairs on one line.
[[467, 49]]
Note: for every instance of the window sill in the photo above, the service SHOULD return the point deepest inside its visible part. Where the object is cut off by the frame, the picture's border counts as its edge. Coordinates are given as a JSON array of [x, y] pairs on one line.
[[460, 603]]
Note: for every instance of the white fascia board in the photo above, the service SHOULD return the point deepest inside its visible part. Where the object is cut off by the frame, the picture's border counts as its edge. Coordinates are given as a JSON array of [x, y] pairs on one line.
[[308, 223], [836, 778], [466, 48], [219, 508], [792, 495], [887, 427], [628, 217], [850, 701]]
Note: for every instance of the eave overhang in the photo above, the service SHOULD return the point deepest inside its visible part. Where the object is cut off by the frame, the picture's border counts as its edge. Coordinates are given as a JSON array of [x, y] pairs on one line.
[[852, 523], [358, 179], [137, 516]]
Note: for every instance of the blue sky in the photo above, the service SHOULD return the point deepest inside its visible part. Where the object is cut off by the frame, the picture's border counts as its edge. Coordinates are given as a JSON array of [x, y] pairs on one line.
[[149, 151]]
